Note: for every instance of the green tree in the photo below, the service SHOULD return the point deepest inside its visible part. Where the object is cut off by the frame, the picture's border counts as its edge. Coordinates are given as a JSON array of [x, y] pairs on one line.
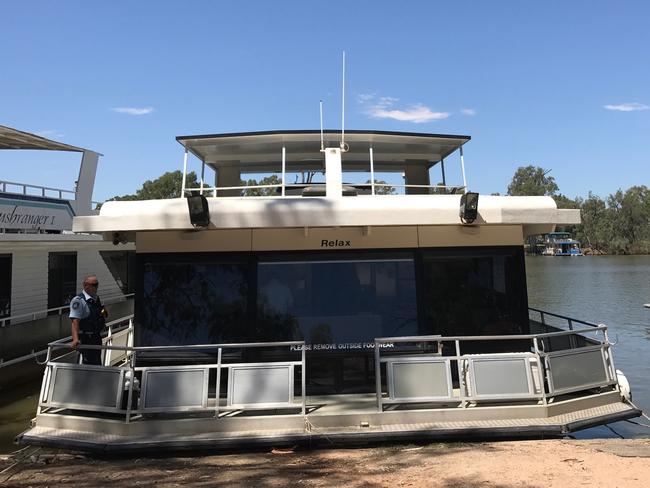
[[630, 214], [596, 227], [166, 186], [532, 180], [261, 192]]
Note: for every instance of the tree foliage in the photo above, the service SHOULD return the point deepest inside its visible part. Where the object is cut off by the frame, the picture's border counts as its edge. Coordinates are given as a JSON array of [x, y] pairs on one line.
[[532, 180], [261, 192], [618, 224], [166, 186]]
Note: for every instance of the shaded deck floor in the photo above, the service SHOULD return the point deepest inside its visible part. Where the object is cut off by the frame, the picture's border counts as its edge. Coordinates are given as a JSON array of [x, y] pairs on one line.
[[331, 420]]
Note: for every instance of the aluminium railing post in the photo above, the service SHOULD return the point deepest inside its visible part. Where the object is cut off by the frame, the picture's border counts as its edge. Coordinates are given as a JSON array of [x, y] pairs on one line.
[[218, 387], [45, 380], [540, 366], [461, 380], [304, 380], [380, 407], [129, 397], [442, 168], [610, 359]]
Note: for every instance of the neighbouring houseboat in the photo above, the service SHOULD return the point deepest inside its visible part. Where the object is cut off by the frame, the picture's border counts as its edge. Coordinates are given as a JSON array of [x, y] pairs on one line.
[[561, 244], [347, 298], [42, 262]]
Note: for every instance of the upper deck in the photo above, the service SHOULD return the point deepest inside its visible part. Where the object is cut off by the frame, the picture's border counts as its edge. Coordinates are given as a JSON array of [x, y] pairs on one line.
[[314, 182], [30, 208], [362, 157]]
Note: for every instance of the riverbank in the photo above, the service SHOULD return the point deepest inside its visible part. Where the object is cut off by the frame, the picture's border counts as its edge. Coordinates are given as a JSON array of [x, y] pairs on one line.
[[543, 463]]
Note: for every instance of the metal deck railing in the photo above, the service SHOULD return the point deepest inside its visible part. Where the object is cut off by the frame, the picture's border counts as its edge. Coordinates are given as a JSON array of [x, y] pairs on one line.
[[549, 367], [250, 385]]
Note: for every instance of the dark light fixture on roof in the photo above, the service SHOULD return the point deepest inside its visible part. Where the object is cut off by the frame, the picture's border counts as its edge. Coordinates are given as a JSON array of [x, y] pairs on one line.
[[199, 211], [468, 207]]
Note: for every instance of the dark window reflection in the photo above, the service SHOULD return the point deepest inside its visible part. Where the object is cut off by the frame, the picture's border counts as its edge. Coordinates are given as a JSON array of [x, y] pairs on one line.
[[475, 295], [334, 302], [193, 303]]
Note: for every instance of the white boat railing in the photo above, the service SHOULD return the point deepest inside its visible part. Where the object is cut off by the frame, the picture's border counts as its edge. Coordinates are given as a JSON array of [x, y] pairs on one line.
[[131, 390], [528, 373], [115, 329], [40, 314], [281, 189], [41, 191], [422, 373]]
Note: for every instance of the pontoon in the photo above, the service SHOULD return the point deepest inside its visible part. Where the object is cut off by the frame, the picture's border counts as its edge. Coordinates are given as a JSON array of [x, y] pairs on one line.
[[352, 294]]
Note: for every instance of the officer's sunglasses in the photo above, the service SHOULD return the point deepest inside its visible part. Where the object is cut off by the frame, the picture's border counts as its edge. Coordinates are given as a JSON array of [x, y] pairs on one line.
[[96, 284]]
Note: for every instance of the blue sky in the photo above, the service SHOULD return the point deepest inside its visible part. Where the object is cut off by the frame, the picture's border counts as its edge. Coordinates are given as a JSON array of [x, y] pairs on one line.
[[563, 85]]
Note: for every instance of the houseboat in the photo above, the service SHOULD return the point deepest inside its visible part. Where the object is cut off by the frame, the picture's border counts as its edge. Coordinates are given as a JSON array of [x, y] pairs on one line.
[[353, 294], [560, 244], [42, 262]]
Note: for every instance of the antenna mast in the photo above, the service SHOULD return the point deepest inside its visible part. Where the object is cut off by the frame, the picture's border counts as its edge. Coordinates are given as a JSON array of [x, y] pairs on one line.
[[343, 108]]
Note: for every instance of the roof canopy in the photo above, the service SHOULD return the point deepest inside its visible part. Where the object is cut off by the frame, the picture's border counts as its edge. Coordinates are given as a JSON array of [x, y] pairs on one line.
[[260, 151], [16, 139]]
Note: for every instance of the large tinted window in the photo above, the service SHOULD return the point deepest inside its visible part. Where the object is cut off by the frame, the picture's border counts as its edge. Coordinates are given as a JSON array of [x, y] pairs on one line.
[[192, 303], [469, 293], [336, 302]]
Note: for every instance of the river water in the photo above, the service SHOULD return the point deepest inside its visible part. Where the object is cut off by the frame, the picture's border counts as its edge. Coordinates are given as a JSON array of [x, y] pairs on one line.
[[603, 289], [599, 289]]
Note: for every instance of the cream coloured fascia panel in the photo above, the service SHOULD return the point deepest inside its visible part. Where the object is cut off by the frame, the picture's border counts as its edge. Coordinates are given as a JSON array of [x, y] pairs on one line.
[[334, 238], [194, 241], [327, 238], [470, 235]]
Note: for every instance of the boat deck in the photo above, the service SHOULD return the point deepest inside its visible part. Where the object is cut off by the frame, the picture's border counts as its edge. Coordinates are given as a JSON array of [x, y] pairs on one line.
[[331, 420]]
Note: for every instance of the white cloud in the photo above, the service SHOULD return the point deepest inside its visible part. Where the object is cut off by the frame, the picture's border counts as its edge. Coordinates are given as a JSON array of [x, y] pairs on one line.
[[133, 110], [627, 107], [417, 114], [50, 134], [382, 108], [468, 111]]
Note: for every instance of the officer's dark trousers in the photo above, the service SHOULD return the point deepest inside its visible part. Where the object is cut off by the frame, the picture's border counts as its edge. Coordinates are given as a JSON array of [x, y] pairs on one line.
[[91, 356]]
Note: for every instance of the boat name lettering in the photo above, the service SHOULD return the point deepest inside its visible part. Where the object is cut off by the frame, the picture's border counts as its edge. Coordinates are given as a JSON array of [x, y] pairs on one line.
[[25, 218], [335, 243]]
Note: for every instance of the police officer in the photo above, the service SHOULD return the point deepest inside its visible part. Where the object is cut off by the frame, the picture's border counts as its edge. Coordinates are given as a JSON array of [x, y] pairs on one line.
[[88, 318]]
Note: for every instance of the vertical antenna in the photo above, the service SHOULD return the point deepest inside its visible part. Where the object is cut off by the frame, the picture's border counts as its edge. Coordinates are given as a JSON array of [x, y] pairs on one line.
[[322, 142], [343, 108]]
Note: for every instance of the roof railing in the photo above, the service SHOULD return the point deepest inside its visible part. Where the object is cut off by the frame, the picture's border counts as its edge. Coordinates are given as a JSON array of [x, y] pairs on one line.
[[281, 188]]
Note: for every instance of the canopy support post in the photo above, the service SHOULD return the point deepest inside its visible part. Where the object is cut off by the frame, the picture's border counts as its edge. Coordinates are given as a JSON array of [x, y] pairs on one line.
[[202, 176], [462, 168], [184, 174], [284, 167], [372, 172]]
